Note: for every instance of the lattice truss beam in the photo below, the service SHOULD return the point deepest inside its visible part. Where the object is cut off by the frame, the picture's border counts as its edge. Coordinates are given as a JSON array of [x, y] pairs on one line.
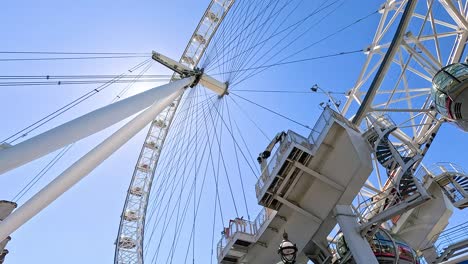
[[129, 243], [435, 35]]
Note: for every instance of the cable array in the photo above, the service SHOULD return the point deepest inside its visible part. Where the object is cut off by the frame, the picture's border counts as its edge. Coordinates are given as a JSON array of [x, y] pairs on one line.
[[207, 168]]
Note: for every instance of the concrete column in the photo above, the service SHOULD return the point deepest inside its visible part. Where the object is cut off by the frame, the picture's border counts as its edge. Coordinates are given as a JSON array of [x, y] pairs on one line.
[[360, 248]]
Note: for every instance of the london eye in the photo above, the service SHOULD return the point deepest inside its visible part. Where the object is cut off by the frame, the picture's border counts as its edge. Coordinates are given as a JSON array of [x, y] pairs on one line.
[[285, 131]]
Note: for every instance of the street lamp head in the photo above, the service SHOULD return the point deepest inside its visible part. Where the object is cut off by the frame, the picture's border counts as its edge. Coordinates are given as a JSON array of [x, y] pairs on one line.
[[287, 250]]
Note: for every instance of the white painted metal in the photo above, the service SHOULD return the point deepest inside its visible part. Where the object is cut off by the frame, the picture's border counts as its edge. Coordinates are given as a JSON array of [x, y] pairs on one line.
[[402, 72], [434, 35], [205, 80], [431, 34], [456, 260], [83, 126], [213, 84], [91, 160], [378, 79], [419, 226], [357, 244], [303, 197], [6, 207], [140, 185]]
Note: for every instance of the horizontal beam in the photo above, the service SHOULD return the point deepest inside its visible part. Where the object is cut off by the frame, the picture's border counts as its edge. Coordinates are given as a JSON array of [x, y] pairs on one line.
[[298, 209], [319, 176], [405, 110]]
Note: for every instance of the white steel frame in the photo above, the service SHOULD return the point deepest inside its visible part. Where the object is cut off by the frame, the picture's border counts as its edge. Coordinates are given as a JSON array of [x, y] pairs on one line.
[[396, 79]]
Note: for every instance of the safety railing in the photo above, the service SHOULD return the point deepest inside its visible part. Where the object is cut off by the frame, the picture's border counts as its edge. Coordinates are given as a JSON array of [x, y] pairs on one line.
[[383, 121], [450, 237], [442, 172], [265, 215], [327, 116], [377, 203], [275, 159], [439, 168], [320, 125], [239, 225]]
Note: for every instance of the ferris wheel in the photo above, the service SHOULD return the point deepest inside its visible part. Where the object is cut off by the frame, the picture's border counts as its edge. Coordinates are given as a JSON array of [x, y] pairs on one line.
[[196, 172]]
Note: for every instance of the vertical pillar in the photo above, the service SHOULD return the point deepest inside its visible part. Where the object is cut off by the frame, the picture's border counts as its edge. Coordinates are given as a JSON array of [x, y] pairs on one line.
[[360, 248], [430, 254]]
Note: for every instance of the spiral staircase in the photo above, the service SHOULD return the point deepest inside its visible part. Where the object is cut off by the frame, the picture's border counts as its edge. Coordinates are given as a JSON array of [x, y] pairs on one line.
[[402, 191]]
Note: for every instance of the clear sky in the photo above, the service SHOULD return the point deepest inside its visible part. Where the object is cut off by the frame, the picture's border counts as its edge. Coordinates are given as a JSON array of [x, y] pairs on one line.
[[81, 226]]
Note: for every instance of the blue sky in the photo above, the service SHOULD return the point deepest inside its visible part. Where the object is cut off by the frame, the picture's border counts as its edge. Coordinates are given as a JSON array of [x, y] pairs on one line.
[[81, 226]]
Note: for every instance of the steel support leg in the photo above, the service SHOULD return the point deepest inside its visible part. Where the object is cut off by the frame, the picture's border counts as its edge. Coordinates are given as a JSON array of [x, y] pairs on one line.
[[360, 248], [84, 126], [87, 163]]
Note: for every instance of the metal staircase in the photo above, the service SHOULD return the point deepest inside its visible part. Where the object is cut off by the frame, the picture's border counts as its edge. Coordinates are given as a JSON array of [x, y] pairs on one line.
[[452, 179], [402, 191]]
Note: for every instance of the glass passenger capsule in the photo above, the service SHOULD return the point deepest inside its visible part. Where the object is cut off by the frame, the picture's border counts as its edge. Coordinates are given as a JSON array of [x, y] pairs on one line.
[[450, 93], [387, 249], [127, 242]]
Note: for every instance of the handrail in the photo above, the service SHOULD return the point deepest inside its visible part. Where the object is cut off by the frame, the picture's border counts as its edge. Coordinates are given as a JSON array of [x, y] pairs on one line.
[[239, 225], [318, 131], [450, 236], [291, 137], [439, 168]]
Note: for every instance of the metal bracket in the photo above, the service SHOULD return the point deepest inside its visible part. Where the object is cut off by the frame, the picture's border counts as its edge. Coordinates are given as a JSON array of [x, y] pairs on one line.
[[200, 77]]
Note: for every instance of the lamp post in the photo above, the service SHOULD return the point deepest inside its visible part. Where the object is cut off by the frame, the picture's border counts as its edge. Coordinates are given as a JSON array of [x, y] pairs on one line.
[[287, 250], [336, 104]]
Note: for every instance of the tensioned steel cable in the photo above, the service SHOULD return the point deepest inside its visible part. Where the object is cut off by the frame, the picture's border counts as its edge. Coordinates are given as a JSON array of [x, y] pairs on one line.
[[272, 111], [73, 58], [64, 150], [154, 257], [25, 131], [313, 43], [71, 53], [274, 34], [287, 91], [321, 8]]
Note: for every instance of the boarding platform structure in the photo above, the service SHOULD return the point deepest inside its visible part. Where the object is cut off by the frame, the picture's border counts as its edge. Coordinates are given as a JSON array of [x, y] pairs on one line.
[[299, 188], [309, 184]]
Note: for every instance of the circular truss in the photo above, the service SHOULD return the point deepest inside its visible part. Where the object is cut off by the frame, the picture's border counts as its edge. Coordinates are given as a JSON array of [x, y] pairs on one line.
[[129, 242], [213, 143]]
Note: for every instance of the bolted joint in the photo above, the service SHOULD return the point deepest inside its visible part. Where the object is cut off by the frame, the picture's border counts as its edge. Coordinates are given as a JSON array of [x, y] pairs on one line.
[[198, 73]]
